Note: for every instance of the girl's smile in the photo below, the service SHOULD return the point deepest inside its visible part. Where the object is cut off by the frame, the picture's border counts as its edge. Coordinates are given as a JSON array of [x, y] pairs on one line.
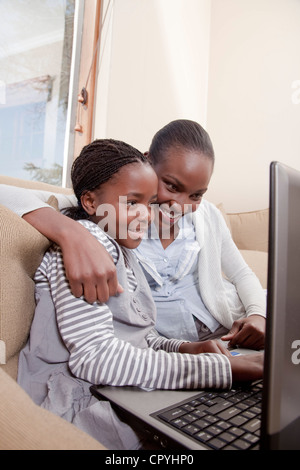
[[122, 207]]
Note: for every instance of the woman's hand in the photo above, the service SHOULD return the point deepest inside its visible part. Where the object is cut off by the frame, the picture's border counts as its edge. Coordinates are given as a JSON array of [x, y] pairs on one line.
[[90, 269], [247, 333]]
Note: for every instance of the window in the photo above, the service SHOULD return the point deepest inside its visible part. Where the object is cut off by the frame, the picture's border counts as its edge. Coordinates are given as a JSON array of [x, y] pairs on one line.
[[36, 47]]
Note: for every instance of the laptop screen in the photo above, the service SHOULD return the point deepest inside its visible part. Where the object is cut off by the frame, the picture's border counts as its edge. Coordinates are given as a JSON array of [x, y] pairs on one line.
[[281, 397]]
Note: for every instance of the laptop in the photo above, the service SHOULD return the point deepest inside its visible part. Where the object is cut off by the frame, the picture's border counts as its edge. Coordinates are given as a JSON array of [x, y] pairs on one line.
[[265, 414]]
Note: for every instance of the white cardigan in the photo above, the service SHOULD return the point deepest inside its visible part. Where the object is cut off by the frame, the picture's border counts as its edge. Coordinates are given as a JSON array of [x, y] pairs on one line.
[[228, 287]]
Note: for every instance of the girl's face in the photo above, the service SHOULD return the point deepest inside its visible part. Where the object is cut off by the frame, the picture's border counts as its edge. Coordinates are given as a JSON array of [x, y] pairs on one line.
[[122, 206], [183, 178]]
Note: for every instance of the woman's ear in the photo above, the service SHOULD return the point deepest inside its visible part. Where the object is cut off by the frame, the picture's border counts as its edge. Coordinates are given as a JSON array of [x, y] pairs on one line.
[[88, 202], [147, 154]]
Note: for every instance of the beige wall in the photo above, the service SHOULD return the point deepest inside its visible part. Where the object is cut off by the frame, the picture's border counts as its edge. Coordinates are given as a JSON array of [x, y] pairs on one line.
[[153, 67], [232, 65], [253, 115]]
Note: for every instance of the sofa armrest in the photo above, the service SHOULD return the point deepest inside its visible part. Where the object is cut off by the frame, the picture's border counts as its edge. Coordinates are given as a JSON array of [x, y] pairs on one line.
[[29, 184], [26, 426], [21, 251]]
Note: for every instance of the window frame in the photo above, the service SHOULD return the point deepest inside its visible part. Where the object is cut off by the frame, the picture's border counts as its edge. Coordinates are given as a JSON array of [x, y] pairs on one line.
[[83, 75]]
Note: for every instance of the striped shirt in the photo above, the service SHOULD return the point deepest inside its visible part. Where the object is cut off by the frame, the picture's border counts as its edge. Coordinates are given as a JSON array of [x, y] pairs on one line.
[[97, 355]]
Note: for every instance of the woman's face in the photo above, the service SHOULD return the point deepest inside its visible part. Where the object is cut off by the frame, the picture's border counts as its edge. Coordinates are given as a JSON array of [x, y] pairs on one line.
[[183, 178], [122, 206]]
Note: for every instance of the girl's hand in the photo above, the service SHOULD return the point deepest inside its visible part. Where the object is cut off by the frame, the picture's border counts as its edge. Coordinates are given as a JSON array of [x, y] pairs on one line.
[[248, 367], [247, 333], [209, 346], [245, 368]]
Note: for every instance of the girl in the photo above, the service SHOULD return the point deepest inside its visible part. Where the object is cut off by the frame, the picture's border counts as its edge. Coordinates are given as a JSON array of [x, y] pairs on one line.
[[74, 343], [200, 283]]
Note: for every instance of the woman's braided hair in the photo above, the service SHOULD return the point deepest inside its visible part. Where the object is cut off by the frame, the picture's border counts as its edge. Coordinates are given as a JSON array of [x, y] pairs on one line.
[[96, 164]]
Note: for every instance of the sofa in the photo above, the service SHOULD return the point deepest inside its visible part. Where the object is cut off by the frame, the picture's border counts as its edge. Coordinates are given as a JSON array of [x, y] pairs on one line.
[[24, 425]]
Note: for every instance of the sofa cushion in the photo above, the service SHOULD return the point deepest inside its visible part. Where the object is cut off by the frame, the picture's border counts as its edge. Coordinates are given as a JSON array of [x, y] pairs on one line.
[[21, 251], [250, 229]]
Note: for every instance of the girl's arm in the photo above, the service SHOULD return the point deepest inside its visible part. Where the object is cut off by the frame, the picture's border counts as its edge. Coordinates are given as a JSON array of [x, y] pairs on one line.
[[89, 268], [98, 356], [243, 368], [155, 341]]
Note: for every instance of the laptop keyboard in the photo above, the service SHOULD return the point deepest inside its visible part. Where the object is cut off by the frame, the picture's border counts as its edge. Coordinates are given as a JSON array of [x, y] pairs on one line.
[[229, 419]]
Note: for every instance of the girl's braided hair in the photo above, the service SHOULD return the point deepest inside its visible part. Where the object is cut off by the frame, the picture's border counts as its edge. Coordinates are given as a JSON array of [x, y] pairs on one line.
[[96, 164]]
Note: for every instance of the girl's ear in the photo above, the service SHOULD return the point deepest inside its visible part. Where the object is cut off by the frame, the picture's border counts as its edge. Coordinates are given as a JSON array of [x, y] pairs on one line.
[[88, 202]]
